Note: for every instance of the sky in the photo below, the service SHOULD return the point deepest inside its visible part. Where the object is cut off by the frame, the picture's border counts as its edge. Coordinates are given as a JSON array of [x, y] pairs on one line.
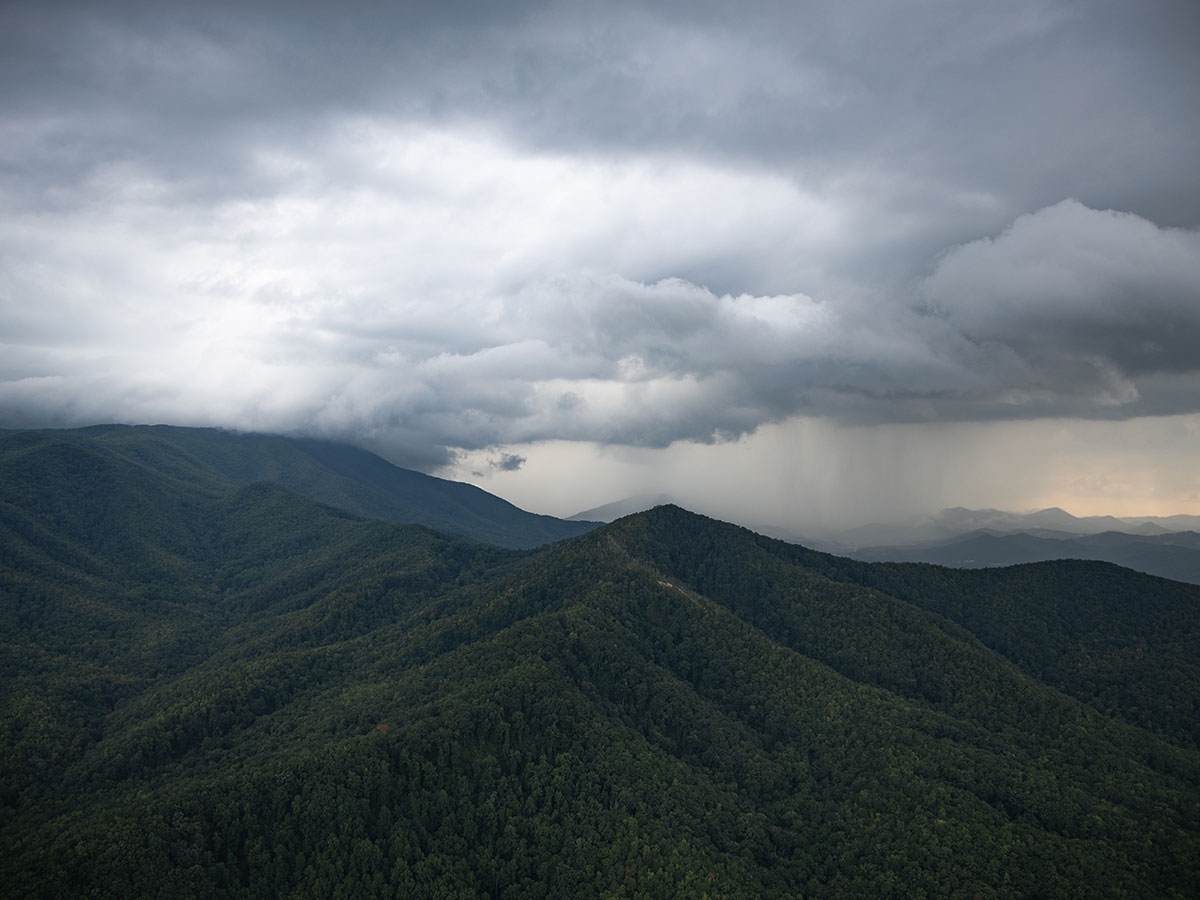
[[800, 265]]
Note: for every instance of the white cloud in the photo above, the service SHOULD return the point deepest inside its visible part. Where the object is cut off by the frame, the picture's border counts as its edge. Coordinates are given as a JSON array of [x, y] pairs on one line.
[[381, 284], [1093, 303], [439, 289]]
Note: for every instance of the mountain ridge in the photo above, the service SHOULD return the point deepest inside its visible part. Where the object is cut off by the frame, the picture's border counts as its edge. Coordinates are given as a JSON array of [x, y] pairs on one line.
[[955, 522], [223, 689], [340, 475]]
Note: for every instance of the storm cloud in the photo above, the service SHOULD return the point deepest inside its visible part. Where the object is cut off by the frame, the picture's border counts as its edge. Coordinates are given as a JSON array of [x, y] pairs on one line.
[[459, 228]]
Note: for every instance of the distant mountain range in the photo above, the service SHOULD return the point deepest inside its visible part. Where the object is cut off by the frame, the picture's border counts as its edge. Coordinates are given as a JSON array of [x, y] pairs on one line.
[[343, 476], [1171, 555], [216, 687], [966, 538], [958, 521]]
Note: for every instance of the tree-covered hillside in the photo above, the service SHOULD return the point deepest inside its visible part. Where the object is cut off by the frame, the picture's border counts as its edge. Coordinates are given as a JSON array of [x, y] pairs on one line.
[[340, 475], [224, 690]]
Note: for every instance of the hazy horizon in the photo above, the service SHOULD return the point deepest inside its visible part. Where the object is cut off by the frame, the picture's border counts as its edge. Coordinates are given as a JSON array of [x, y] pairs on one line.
[[803, 266], [722, 500]]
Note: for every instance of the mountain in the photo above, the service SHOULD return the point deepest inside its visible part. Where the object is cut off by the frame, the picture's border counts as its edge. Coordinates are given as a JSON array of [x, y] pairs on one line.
[[215, 689], [1149, 528], [1168, 554], [615, 510], [959, 522], [347, 477]]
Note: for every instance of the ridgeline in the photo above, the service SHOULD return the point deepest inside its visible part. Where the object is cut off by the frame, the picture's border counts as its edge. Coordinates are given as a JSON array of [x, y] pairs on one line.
[[217, 687]]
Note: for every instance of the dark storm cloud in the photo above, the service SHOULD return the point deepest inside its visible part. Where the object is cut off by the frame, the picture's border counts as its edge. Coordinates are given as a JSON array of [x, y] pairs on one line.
[[1028, 101], [447, 226]]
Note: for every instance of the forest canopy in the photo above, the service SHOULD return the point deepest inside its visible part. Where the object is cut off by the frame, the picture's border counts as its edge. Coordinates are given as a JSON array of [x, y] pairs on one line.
[[223, 689]]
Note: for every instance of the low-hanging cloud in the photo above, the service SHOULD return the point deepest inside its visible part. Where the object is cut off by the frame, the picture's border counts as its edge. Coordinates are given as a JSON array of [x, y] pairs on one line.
[[1069, 310]]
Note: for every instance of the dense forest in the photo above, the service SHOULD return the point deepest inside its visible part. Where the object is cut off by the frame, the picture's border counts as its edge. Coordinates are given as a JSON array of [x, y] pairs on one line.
[[349, 478], [215, 687]]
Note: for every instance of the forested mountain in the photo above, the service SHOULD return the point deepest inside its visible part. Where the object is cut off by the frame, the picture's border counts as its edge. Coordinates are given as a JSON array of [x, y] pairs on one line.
[[223, 690], [343, 476]]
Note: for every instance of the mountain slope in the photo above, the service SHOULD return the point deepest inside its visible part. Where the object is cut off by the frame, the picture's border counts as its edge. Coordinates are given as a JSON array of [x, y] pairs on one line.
[[1126, 643], [337, 474], [281, 700]]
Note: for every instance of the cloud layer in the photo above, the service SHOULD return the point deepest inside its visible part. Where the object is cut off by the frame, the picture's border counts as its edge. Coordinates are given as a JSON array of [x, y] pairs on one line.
[[454, 230]]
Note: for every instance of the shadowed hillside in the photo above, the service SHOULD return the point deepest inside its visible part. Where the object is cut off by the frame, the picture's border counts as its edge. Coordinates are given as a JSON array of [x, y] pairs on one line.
[[337, 474]]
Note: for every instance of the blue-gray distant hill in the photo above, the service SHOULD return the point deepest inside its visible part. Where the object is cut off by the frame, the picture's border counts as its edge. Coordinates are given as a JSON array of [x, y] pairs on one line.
[[610, 512], [343, 476], [958, 523], [1173, 555]]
